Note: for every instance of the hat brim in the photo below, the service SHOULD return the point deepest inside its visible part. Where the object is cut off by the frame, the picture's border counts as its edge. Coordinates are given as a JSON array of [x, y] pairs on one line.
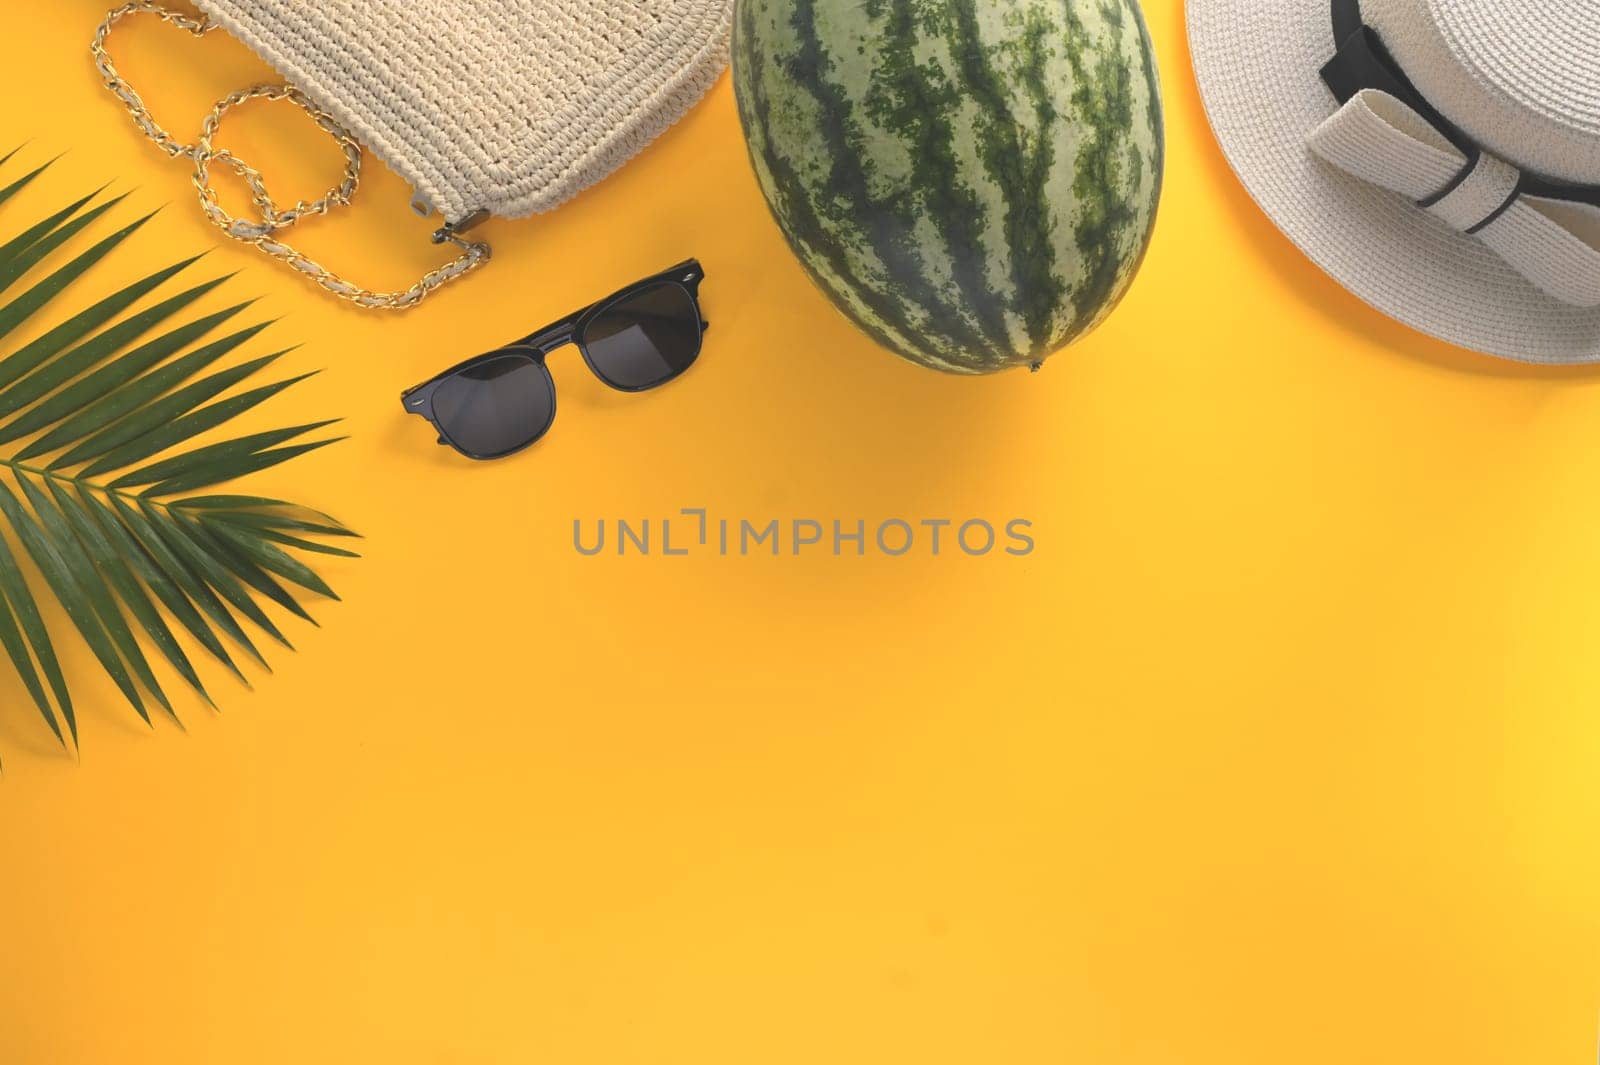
[[1257, 63]]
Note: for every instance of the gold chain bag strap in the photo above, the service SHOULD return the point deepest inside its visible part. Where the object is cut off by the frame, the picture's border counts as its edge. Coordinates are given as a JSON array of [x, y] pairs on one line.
[[264, 234]]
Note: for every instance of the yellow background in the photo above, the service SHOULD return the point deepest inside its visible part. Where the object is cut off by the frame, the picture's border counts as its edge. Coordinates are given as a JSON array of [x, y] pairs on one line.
[[1281, 747]]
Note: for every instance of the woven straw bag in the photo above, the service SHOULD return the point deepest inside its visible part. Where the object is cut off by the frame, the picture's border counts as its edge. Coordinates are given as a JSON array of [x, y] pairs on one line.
[[487, 107]]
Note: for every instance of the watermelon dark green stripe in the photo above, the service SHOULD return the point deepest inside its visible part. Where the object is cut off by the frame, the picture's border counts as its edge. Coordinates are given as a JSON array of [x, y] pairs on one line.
[[1152, 104], [1102, 103], [885, 220], [915, 102], [1012, 167], [803, 228]]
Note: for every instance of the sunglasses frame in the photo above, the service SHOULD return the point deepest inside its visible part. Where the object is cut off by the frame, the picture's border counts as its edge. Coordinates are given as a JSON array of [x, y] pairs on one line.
[[537, 346]]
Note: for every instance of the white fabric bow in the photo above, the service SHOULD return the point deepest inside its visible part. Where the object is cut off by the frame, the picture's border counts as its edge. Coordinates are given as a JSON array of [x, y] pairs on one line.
[[1553, 242]]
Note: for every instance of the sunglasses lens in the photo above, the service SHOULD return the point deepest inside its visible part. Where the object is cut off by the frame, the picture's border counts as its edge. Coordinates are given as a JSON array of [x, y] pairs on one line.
[[496, 406], [645, 339]]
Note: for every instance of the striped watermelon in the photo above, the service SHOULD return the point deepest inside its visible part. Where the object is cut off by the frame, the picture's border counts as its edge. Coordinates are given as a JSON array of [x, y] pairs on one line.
[[973, 182]]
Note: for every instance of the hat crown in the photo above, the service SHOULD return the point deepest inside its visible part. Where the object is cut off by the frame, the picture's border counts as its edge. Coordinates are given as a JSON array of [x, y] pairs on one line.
[[1521, 77]]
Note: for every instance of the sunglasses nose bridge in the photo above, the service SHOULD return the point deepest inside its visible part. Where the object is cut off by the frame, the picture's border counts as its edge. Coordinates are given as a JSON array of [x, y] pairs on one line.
[[556, 336]]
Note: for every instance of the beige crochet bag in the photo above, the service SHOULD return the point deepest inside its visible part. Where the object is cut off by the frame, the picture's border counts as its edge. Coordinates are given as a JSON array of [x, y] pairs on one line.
[[487, 107]]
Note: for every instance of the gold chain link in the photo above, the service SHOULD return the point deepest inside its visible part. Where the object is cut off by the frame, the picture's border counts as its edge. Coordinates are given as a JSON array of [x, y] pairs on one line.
[[273, 219]]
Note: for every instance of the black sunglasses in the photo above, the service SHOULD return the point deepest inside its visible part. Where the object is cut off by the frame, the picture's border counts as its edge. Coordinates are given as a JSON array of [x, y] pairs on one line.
[[639, 338]]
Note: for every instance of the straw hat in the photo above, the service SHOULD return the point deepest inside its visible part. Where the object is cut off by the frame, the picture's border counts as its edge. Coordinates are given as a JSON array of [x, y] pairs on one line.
[[1438, 158], [509, 106]]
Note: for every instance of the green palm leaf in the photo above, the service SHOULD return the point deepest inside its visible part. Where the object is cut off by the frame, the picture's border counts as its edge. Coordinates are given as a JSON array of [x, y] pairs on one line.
[[24, 181], [108, 420], [28, 237]]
